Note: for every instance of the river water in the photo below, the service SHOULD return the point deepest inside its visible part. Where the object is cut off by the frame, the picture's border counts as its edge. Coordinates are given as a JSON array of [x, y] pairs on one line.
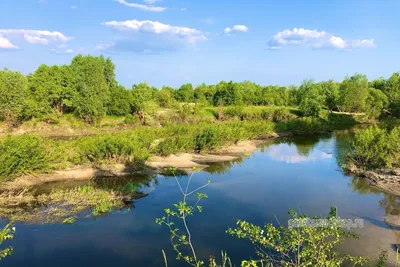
[[295, 173]]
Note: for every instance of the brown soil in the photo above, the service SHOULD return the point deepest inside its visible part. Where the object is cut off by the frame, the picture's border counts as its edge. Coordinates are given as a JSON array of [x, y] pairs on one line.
[[386, 179]]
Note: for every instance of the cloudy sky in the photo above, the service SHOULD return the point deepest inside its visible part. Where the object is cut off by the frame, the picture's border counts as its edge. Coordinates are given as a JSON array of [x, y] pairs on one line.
[[170, 42]]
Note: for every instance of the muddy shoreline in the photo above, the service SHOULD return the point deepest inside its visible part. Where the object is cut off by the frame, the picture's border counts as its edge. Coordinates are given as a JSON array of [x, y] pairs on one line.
[[154, 165], [387, 180]]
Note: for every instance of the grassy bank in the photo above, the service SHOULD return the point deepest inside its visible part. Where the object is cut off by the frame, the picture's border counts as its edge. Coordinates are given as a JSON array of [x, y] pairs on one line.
[[61, 205], [31, 153], [376, 147]]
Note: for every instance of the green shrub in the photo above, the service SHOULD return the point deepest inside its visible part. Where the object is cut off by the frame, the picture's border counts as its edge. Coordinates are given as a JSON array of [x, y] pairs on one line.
[[209, 138], [266, 114], [130, 119], [281, 114], [123, 146], [21, 155], [233, 112], [376, 147]]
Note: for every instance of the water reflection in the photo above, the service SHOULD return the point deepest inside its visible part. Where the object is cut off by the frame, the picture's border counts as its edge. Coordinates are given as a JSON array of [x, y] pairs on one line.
[[301, 173]]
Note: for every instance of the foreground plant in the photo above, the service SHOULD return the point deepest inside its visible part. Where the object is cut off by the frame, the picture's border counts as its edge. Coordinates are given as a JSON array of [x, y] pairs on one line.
[[182, 239], [302, 245], [6, 233]]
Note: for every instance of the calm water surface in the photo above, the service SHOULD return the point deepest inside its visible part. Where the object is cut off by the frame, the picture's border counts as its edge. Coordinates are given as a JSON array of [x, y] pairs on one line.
[[298, 173]]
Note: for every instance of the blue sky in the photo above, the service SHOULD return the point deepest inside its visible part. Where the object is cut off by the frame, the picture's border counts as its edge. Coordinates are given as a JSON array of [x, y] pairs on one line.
[[171, 42]]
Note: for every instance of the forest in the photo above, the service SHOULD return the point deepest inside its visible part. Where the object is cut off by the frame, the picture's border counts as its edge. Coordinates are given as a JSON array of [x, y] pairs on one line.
[[88, 89]]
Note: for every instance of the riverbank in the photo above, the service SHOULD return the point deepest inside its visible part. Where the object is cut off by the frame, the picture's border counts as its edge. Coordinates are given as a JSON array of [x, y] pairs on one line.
[[186, 162], [387, 179], [32, 159]]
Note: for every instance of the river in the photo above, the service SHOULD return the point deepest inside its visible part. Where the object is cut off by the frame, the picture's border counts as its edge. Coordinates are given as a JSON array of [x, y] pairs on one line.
[[292, 173]]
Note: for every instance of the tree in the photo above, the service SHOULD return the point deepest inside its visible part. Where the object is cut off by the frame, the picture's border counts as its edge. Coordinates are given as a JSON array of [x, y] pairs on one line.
[[204, 93], [52, 89], [376, 102], [141, 94], [13, 91], [354, 92], [311, 98], [93, 79], [120, 101], [227, 94], [392, 91], [331, 90], [165, 97], [185, 93]]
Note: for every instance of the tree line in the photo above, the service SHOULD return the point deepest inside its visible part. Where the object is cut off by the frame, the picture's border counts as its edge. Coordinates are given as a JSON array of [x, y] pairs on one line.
[[88, 88]]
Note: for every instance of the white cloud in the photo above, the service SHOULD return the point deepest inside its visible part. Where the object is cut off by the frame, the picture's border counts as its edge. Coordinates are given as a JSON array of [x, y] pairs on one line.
[[105, 46], [315, 39], [151, 2], [74, 7], [145, 7], [183, 9], [63, 49], [189, 35], [236, 28], [6, 44], [34, 36], [66, 51]]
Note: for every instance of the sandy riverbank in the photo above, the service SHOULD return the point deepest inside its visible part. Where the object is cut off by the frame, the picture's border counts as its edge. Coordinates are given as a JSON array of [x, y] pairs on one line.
[[155, 164]]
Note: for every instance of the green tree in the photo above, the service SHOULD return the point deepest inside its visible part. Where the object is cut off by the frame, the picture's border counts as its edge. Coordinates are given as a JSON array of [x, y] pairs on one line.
[[377, 101], [354, 93], [185, 93], [13, 91], [204, 93], [331, 90], [120, 101], [228, 94], [52, 89], [311, 98], [93, 79], [165, 97], [141, 93], [392, 90]]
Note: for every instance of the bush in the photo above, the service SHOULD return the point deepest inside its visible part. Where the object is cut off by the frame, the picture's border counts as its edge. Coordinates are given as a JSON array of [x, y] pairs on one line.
[[233, 112], [281, 114], [266, 114], [376, 147], [130, 119], [209, 138], [21, 155], [123, 146]]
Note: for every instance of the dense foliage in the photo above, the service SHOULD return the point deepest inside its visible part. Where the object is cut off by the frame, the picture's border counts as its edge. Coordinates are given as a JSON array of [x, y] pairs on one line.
[[88, 88], [376, 147], [24, 154]]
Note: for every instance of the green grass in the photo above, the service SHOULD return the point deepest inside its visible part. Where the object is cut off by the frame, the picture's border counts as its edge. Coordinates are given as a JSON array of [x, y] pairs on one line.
[[27, 154]]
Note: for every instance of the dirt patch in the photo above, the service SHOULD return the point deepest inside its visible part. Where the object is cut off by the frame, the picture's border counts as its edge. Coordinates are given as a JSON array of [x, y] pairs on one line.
[[386, 179], [186, 161], [241, 148]]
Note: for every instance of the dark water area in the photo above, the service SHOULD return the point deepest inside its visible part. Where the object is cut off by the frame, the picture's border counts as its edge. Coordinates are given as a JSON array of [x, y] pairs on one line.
[[295, 173]]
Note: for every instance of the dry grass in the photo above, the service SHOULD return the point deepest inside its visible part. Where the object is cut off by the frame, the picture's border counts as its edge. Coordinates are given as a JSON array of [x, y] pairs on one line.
[[58, 205]]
